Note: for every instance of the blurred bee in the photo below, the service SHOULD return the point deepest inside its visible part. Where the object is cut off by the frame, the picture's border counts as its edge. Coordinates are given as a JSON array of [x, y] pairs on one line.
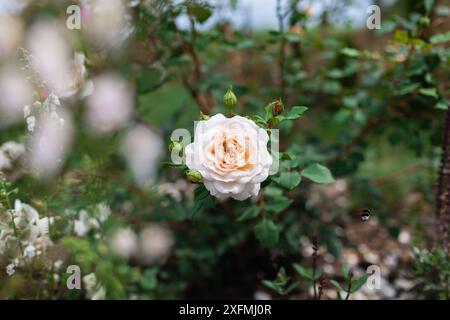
[[365, 215]]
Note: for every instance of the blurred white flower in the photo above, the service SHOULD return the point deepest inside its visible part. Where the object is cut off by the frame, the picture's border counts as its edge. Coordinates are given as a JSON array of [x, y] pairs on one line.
[[29, 251], [10, 269], [28, 217], [94, 290], [49, 143], [15, 92], [105, 22], [110, 104], [155, 244], [31, 123], [261, 295], [5, 162], [103, 212], [99, 294], [29, 230], [84, 224], [404, 237], [142, 149], [78, 83], [58, 264], [14, 6], [124, 242], [13, 149], [11, 30], [10, 152], [52, 56], [25, 214]]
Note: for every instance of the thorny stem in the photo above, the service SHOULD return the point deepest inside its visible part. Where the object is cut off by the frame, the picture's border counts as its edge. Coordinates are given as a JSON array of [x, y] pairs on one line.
[[443, 198], [321, 285], [443, 189], [314, 256]]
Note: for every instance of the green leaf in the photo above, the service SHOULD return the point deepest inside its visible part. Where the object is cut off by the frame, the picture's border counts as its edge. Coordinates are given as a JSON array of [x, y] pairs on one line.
[[295, 113], [346, 271], [402, 36], [271, 285], [291, 287], [149, 279], [266, 232], [200, 12], [288, 179], [350, 52], [292, 37], [148, 79], [260, 121], [272, 190], [430, 92], [269, 109], [406, 88], [337, 285], [428, 4], [318, 173], [202, 200], [249, 213], [277, 204], [442, 105], [358, 283], [350, 102], [305, 273]]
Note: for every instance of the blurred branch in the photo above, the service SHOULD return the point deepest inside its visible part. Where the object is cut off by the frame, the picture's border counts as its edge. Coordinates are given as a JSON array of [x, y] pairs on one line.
[[346, 149], [205, 100], [401, 173], [281, 16]]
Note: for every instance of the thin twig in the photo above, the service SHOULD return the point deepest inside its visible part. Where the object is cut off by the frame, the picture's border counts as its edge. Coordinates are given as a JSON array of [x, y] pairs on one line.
[[281, 16]]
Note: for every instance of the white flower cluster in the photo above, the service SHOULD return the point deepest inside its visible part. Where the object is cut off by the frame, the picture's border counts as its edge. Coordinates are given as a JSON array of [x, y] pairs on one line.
[[10, 153], [85, 223], [23, 234], [49, 106]]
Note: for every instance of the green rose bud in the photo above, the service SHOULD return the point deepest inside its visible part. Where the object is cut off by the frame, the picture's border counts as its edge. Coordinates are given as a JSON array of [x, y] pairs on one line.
[[194, 176], [175, 145], [424, 22], [230, 99]]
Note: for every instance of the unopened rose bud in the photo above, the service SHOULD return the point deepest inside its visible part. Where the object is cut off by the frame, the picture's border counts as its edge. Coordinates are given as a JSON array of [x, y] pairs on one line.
[[278, 108], [194, 176], [230, 99], [351, 273], [175, 145], [424, 22]]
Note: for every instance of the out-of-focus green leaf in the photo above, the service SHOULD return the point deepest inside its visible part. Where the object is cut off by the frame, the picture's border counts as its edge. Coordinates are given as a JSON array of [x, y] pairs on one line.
[[249, 213], [288, 179], [266, 232], [200, 12], [318, 173]]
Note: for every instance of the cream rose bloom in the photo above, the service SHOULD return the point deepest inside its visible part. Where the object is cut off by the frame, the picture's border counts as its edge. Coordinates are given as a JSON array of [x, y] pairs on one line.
[[231, 155]]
